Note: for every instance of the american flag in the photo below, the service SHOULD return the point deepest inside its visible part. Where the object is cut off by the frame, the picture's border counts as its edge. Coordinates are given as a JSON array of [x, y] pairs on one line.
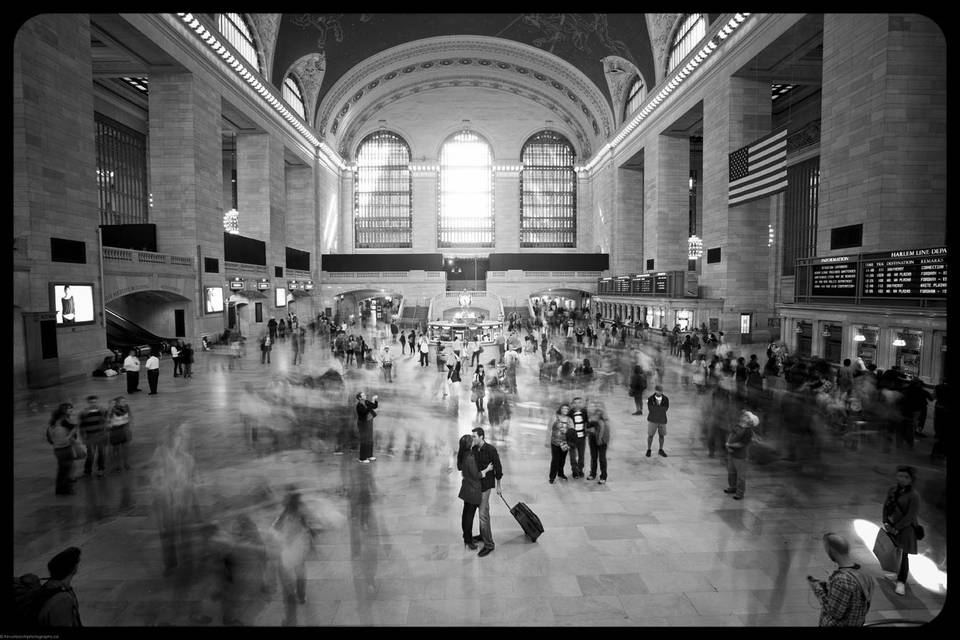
[[759, 169]]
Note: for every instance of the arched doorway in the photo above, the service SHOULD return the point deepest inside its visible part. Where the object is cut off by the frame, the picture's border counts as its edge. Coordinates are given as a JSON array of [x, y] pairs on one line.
[[148, 317]]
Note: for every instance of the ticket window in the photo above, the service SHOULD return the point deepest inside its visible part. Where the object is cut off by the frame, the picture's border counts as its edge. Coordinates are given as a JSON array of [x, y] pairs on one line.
[[907, 354], [684, 318], [867, 346], [804, 338], [833, 343]]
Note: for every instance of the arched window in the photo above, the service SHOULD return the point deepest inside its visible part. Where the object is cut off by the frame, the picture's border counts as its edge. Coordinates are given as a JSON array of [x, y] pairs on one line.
[[292, 95], [466, 192], [548, 192], [635, 97], [383, 211], [691, 31], [235, 29]]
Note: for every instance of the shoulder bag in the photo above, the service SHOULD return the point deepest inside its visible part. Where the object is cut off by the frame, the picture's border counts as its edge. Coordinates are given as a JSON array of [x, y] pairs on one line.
[[78, 450]]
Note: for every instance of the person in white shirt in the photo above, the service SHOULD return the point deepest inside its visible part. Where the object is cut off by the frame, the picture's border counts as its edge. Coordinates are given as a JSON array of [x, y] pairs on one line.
[[424, 348], [175, 356], [153, 371], [131, 365]]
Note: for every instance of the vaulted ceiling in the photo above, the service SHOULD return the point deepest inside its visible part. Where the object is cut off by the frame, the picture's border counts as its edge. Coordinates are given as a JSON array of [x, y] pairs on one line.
[[344, 40]]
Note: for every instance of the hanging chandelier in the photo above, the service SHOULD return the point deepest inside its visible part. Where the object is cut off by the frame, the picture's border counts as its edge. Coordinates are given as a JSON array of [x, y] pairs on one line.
[[694, 247], [231, 221]]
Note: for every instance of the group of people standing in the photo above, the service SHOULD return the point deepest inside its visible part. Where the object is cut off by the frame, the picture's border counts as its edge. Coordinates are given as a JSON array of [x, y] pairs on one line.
[[86, 434]]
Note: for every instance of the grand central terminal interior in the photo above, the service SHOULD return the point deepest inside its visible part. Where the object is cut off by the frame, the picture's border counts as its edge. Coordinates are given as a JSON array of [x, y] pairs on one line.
[[327, 319]]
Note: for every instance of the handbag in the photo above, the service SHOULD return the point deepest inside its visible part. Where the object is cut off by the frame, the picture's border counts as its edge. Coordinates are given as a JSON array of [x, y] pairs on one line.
[[78, 450], [886, 551], [919, 532]]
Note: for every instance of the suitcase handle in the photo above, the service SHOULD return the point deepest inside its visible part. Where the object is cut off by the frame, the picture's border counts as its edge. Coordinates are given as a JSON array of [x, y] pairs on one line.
[[504, 501]]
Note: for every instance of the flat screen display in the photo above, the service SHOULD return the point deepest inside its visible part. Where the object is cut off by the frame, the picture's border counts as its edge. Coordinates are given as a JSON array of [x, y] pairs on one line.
[[73, 302], [280, 296], [213, 299]]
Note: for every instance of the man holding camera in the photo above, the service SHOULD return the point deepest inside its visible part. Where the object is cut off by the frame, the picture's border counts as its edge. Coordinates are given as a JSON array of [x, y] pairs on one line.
[[366, 412]]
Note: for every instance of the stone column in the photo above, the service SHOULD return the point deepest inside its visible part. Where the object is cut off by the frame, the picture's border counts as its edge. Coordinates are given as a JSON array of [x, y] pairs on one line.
[[626, 255], [883, 144], [666, 220], [735, 115], [425, 184], [506, 207]]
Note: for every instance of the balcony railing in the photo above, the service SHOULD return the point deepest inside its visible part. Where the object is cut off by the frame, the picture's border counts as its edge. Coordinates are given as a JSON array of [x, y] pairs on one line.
[[116, 254]]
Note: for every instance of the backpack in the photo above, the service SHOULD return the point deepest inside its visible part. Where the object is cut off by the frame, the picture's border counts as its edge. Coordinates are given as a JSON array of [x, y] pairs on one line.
[[29, 596]]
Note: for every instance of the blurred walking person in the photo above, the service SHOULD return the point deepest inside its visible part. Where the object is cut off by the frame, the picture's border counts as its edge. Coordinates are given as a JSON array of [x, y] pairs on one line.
[[295, 530], [119, 432], [93, 430], [63, 434], [244, 573], [737, 443], [598, 434]]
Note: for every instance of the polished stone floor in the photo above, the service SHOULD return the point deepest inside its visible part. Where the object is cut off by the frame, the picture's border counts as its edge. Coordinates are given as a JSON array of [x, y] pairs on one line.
[[659, 544]]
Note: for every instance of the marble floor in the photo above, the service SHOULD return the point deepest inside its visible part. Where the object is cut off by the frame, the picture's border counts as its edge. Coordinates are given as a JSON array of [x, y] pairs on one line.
[[659, 545]]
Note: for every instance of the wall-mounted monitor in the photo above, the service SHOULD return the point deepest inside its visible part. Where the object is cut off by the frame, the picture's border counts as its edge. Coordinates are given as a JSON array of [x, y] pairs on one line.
[[263, 284], [73, 302], [213, 299], [236, 284], [280, 296]]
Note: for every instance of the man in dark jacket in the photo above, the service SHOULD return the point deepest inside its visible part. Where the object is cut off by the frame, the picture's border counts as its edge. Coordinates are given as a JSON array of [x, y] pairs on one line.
[[486, 454], [657, 406], [366, 412], [62, 608]]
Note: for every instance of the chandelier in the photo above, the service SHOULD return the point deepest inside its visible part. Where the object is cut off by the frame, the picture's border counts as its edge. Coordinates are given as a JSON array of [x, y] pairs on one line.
[[231, 221], [694, 247]]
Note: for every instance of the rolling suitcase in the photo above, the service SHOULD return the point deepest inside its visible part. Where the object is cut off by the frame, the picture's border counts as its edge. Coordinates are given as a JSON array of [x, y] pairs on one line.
[[528, 520]]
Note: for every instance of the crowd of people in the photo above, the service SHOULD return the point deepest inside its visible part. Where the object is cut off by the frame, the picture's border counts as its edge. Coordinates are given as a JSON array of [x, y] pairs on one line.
[[789, 404]]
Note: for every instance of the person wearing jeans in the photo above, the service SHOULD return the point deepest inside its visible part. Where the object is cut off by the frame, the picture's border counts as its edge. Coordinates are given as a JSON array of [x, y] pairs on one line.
[[598, 435], [578, 440], [485, 455]]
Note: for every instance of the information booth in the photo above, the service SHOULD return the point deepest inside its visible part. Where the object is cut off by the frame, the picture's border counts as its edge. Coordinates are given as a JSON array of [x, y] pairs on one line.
[[443, 332]]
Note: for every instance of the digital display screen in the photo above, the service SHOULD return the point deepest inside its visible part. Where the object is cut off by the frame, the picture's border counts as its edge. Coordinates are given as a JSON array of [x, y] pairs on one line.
[[280, 296], [660, 286], [213, 299], [236, 285], [73, 303]]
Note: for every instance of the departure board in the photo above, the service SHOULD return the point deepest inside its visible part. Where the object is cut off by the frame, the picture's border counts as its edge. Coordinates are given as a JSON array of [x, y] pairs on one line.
[[646, 285], [622, 285], [914, 273], [660, 284], [834, 276]]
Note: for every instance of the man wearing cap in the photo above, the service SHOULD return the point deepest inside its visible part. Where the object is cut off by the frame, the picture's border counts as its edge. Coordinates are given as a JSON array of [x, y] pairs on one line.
[[737, 442], [62, 608], [657, 406]]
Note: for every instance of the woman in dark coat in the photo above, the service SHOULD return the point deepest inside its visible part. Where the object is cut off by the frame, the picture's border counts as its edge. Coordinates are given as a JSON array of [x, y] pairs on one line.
[[900, 511], [469, 488]]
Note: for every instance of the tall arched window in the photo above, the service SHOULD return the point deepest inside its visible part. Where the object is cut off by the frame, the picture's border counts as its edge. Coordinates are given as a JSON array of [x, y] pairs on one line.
[[383, 211], [292, 95], [235, 29], [548, 192], [635, 97], [466, 192], [691, 31]]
